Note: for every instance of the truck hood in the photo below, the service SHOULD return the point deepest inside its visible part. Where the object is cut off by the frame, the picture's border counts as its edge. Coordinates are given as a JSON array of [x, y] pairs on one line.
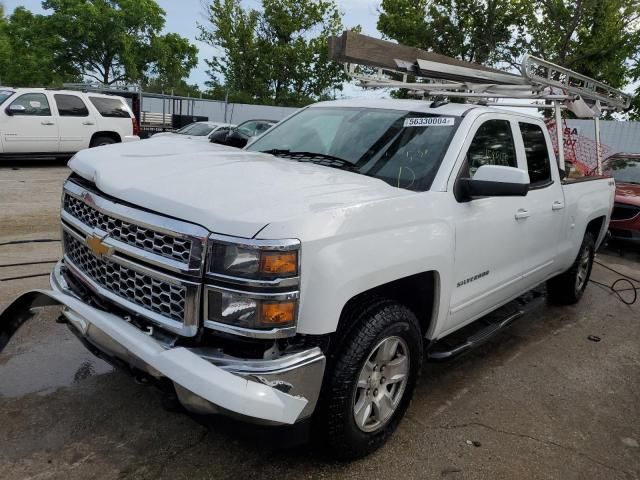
[[226, 190]]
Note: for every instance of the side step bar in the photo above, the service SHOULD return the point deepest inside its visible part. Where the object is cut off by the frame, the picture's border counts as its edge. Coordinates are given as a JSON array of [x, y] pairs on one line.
[[441, 352]]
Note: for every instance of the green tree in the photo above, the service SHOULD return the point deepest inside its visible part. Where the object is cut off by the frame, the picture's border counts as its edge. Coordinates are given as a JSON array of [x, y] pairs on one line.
[[276, 55], [594, 37], [488, 32], [233, 30], [175, 57], [118, 40], [180, 88], [5, 45], [27, 52], [598, 38]]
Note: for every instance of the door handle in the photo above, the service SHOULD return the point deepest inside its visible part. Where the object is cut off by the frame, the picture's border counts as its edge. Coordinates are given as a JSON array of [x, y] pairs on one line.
[[47, 123], [557, 206], [522, 214], [88, 123]]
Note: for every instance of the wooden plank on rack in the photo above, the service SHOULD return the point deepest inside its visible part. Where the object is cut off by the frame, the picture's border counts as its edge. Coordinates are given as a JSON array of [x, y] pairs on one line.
[[353, 47]]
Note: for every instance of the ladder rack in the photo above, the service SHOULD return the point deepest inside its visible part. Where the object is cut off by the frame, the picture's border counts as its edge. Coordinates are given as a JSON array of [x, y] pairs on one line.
[[438, 75], [541, 72], [425, 73]]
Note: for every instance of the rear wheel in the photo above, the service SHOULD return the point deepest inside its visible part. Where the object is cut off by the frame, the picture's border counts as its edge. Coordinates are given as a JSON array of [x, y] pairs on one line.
[[370, 385], [101, 141], [568, 288]]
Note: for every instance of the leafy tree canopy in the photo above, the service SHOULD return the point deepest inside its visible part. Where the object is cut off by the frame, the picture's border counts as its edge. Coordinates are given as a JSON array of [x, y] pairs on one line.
[[27, 52], [480, 31], [275, 55], [594, 37], [119, 40], [598, 38], [104, 40]]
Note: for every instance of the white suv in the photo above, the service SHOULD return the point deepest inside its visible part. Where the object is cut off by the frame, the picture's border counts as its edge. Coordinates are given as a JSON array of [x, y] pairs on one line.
[[36, 122]]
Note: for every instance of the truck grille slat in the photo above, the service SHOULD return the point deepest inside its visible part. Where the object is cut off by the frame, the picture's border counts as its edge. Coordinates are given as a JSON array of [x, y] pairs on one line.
[[146, 239], [158, 296]]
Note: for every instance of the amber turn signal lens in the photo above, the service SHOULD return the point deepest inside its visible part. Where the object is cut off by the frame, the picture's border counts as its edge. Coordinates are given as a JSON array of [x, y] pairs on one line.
[[279, 263], [281, 313]]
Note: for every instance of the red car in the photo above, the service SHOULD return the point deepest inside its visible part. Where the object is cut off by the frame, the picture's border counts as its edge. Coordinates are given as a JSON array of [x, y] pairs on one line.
[[625, 219]]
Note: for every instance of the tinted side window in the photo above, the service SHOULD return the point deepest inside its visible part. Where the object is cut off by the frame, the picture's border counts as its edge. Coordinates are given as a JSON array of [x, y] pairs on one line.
[[492, 145], [71, 106], [538, 161], [262, 127], [248, 129], [35, 104], [110, 107]]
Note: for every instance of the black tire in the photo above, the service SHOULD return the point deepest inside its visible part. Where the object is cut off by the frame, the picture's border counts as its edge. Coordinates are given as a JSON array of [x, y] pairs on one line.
[[335, 423], [568, 287], [101, 141]]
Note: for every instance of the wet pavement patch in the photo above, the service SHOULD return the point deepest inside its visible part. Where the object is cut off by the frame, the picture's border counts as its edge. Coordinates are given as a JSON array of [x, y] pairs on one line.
[[30, 364]]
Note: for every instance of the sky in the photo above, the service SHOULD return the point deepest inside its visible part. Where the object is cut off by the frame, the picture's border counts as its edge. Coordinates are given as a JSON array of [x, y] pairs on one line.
[[183, 15]]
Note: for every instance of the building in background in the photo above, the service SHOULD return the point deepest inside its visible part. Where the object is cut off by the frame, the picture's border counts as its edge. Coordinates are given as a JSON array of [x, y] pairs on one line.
[[616, 136]]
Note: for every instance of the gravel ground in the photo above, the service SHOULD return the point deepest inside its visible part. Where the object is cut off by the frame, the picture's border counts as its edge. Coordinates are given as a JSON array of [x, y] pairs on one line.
[[539, 401]]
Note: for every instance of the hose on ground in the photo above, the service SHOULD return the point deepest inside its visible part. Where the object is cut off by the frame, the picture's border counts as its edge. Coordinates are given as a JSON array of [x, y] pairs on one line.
[[623, 284]]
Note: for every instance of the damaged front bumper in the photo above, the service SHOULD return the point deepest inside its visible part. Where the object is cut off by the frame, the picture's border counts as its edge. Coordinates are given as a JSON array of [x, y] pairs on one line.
[[279, 392]]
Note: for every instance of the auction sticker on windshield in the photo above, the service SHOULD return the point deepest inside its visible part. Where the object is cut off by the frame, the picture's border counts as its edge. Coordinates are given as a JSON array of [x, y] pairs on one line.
[[429, 122]]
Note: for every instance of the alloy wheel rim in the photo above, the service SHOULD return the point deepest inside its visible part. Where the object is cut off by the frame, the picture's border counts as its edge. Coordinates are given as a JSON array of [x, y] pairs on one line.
[[583, 269], [381, 384]]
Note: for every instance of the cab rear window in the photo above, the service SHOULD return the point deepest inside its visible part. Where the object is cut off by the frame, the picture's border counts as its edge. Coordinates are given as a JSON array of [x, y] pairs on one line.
[[110, 107]]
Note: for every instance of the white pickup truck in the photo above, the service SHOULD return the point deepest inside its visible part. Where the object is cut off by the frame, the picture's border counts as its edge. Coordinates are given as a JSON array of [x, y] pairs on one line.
[[307, 277], [44, 123]]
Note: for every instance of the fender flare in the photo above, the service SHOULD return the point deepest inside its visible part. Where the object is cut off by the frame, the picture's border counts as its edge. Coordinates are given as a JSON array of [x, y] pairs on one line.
[[19, 311]]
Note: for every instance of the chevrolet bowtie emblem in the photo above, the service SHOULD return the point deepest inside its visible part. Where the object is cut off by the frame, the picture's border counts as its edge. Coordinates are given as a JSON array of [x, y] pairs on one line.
[[98, 248]]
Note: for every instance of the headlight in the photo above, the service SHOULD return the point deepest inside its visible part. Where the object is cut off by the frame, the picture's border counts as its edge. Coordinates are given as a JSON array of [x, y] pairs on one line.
[[258, 262], [251, 311], [252, 286]]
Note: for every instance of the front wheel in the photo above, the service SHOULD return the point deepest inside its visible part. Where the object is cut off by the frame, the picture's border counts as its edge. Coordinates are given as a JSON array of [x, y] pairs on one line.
[[372, 380], [102, 141], [568, 287]]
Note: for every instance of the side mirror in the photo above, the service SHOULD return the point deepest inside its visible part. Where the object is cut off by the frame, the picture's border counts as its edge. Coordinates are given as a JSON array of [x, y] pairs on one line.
[[494, 181], [15, 109]]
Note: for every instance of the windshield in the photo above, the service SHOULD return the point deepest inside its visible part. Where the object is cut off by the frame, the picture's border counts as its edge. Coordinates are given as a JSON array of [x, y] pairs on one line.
[[4, 94], [196, 130], [625, 170], [402, 148]]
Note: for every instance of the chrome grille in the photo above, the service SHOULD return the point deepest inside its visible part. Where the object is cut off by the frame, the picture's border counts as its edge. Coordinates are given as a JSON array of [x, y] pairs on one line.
[[143, 290], [146, 239]]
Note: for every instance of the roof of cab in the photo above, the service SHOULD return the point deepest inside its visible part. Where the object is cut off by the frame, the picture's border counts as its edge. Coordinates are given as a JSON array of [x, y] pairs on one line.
[[422, 106]]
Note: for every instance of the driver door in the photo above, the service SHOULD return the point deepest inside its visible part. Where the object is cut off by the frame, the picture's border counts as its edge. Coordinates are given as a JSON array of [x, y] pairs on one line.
[[489, 236], [29, 125]]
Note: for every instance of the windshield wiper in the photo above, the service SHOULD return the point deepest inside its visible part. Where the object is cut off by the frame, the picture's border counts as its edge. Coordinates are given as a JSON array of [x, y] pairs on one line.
[[314, 157]]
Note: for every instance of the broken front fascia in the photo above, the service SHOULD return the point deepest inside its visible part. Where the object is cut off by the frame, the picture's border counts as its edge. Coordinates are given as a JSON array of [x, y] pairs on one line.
[[205, 383]]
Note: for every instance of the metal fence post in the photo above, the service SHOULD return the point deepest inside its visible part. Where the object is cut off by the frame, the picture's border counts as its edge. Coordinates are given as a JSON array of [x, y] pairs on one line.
[[598, 145], [559, 135]]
